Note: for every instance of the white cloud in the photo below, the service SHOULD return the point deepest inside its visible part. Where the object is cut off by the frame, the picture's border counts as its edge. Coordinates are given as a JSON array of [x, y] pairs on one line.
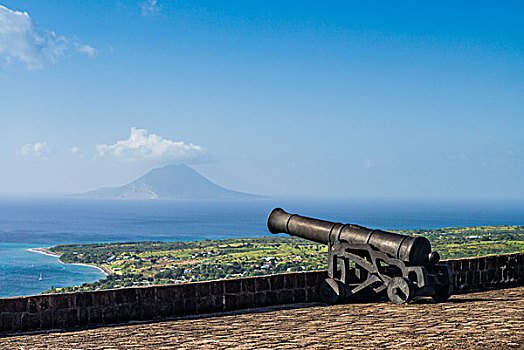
[[75, 150], [150, 7], [38, 149], [141, 146], [21, 41], [88, 50]]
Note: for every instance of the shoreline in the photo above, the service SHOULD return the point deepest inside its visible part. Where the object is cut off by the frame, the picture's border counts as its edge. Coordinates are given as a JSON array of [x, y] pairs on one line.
[[46, 251]]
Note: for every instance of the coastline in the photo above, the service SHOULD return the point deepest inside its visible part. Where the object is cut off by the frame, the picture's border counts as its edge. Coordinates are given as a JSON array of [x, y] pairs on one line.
[[46, 251]]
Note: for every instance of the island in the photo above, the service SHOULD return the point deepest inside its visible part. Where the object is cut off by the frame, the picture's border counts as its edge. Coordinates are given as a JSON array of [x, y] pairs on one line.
[[155, 263], [168, 182]]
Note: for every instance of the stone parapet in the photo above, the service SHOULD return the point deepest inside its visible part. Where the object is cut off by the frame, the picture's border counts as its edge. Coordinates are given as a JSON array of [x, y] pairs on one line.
[[481, 273], [95, 308]]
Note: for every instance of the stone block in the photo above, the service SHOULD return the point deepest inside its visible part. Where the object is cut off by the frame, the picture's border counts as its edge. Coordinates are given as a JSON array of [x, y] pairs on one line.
[[312, 295], [245, 301], [166, 293], [453, 266], [276, 282], [272, 298], [501, 260], [315, 278], [202, 289], [13, 305], [512, 258], [6, 322], [95, 316], [520, 273], [476, 278], [300, 280], [481, 263], [83, 317], [216, 287], [135, 312], [230, 302], [232, 286], [84, 299], [299, 296], [190, 306], [262, 284], [460, 281], [188, 290], [65, 318], [109, 314], [512, 273], [178, 307], [504, 274], [498, 275], [30, 321], [207, 305], [248, 285], [260, 299], [17, 321], [464, 265], [473, 264], [164, 309], [103, 298], [145, 294], [62, 301], [458, 266], [124, 312], [483, 277], [148, 311], [46, 319], [284, 297], [290, 281], [125, 296], [469, 278], [32, 306], [220, 302], [72, 318]]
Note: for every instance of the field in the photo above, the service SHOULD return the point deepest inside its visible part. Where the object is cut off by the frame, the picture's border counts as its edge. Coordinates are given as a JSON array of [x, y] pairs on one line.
[[148, 263]]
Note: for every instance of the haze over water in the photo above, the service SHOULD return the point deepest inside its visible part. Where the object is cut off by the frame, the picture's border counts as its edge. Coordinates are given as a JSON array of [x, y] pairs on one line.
[[26, 223]]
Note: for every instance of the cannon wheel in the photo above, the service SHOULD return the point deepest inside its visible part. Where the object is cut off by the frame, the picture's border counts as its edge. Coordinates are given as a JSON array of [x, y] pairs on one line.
[[400, 290], [442, 294], [331, 291]]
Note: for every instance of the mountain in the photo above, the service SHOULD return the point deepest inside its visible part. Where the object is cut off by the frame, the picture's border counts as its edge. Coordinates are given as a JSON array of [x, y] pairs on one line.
[[169, 182]]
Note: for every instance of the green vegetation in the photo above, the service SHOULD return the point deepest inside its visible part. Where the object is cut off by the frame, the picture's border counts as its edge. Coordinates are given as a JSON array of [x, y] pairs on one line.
[[147, 263], [461, 242]]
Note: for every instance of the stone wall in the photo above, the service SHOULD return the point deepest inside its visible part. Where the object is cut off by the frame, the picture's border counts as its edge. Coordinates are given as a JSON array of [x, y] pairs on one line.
[[88, 309], [495, 271]]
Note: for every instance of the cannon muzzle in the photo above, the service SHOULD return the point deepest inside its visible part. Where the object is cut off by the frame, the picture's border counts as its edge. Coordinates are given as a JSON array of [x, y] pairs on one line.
[[412, 250]]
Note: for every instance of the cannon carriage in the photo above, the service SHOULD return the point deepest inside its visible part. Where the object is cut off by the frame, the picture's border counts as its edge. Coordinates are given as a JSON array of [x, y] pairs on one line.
[[362, 260]]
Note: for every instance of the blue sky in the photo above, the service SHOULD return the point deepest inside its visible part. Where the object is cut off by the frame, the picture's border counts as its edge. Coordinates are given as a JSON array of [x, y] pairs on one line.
[[291, 98]]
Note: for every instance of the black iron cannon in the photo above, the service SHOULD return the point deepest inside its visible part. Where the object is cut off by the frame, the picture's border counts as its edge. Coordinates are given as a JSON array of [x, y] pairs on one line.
[[361, 259]]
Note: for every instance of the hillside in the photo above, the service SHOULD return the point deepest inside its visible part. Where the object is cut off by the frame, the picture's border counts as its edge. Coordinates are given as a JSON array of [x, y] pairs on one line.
[[169, 182]]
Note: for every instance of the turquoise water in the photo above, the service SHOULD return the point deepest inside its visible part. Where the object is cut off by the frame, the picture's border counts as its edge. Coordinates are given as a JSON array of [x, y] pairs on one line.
[[20, 271], [29, 223]]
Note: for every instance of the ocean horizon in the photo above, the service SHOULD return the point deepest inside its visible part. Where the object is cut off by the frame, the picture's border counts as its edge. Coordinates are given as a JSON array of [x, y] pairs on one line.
[[44, 222]]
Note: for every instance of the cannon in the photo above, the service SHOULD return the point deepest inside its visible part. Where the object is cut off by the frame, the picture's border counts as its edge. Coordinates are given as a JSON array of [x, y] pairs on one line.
[[363, 261]]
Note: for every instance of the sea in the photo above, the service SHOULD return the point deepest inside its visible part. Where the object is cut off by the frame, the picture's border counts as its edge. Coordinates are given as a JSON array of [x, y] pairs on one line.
[[44, 222]]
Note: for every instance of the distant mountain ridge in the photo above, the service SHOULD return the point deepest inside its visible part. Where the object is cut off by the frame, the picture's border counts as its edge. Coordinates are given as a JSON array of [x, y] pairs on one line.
[[168, 182]]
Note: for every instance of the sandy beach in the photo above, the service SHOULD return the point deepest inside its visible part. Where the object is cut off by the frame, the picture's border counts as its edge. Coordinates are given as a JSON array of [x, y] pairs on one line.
[[44, 251], [47, 252]]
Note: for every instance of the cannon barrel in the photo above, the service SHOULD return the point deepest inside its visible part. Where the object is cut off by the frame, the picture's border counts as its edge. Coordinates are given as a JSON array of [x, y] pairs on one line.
[[412, 250]]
